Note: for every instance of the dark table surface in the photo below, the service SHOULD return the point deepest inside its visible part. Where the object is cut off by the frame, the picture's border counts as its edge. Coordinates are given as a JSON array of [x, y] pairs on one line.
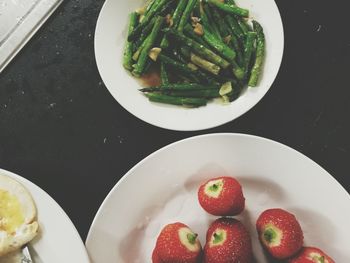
[[61, 129]]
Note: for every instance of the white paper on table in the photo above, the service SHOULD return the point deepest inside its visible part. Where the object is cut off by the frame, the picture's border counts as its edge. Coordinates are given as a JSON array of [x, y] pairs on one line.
[[19, 20]]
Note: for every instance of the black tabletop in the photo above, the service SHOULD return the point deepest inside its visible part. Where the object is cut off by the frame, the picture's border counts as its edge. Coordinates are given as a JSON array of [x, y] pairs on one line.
[[61, 129]]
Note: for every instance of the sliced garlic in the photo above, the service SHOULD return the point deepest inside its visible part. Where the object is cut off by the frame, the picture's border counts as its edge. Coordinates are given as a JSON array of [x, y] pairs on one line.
[[198, 29], [154, 53], [225, 89], [169, 20], [136, 55], [227, 39], [225, 100], [195, 19], [141, 10]]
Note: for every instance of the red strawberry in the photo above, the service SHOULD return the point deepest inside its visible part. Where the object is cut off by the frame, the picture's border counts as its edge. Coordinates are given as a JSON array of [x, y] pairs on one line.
[[280, 233], [311, 255], [178, 244], [155, 256], [228, 241], [221, 196]]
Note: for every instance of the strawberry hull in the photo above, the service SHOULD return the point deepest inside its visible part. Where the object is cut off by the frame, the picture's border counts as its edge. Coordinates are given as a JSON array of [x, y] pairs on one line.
[[227, 241], [311, 255], [280, 233], [221, 196]]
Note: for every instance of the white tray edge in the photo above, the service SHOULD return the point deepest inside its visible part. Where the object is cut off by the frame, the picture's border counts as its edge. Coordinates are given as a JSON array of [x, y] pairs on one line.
[[26, 30]]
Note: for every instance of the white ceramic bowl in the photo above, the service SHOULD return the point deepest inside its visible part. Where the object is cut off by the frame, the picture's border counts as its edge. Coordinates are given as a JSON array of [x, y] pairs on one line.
[[162, 189], [110, 37]]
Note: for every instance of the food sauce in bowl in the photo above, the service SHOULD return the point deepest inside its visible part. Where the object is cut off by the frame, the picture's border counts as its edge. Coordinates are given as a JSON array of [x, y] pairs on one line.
[[151, 78]]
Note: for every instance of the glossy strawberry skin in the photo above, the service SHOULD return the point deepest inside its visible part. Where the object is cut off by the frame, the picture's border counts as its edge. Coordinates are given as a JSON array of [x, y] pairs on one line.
[[306, 256], [170, 249], [155, 256], [237, 248], [292, 234], [230, 202]]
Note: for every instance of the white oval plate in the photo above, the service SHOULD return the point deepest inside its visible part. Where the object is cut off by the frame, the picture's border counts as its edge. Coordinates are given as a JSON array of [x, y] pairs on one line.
[[58, 240], [110, 36], [163, 188]]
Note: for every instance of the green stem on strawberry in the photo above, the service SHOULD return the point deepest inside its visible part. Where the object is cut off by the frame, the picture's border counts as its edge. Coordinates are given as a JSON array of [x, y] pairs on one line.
[[192, 238], [320, 259], [214, 187], [270, 235], [218, 238]]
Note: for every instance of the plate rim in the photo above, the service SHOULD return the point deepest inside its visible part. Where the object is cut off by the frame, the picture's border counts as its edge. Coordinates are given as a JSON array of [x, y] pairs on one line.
[[164, 148], [180, 127], [26, 182]]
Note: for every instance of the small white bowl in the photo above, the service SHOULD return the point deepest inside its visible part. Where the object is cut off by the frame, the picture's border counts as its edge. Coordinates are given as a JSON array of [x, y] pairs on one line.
[[110, 37]]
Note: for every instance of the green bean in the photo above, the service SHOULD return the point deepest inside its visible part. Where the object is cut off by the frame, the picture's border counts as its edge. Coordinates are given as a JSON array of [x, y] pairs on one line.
[[248, 50], [164, 44], [129, 48], [178, 66], [238, 71], [221, 25], [236, 29], [156, 8], [178, 12], [140, 66], [219, 46], [188, 31], [180, 86], [204, 18], [164, 74], [136, 55], [175, 20], [149, 6], [191, 102], [230, 9], [213, 27], [260, 55], [166, 8], [202, 93], [186, 15], [205, 64], [188, 93], [178, 56], [205, 78], [145, 33], [200, 49], [244, 26], [186, 51], [194, 74], [234, 43]]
